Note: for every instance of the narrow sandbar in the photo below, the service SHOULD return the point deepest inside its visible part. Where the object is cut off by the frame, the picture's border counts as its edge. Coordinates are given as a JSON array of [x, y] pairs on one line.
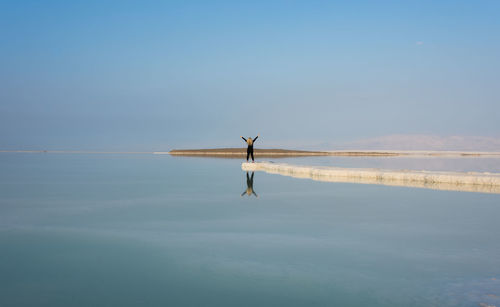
[[269, 153]]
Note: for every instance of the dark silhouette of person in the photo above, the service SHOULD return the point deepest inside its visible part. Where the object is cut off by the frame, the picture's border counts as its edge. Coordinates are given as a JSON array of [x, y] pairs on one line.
[[250, 146], [249, 191]]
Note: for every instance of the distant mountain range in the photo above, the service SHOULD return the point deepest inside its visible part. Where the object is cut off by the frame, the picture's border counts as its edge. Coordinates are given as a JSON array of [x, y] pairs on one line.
[[425, 142]]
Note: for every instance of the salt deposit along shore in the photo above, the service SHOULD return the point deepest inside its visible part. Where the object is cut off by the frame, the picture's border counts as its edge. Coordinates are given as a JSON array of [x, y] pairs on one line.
[[452, 181]]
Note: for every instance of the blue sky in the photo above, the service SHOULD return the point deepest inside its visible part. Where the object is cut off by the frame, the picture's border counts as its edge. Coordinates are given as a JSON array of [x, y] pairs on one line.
[[145, 75]]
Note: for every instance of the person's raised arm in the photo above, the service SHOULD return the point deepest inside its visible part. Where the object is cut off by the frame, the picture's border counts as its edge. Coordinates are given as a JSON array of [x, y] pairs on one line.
[[256, 138], [244, 139]]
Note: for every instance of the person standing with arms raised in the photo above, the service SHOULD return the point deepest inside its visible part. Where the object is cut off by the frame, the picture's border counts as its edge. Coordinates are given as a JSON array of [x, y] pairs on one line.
[[250, 146]]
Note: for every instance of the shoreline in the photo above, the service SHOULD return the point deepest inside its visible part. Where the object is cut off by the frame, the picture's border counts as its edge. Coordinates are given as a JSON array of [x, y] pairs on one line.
[[436, 180], [76, 152]]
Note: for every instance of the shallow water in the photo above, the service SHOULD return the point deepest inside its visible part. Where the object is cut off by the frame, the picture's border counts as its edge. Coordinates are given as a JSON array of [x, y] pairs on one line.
[[128, 230], [455, 164]]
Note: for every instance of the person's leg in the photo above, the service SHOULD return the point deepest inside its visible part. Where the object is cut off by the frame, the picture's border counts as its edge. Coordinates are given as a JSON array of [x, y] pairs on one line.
[[252, 155], [248, 153]]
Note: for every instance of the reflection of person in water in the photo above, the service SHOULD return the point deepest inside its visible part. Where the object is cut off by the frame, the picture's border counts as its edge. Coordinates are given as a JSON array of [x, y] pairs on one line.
[[250, 146], [249, 191]]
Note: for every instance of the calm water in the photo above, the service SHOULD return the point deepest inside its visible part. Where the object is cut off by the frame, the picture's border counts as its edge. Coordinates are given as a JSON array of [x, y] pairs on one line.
[[144, 230]]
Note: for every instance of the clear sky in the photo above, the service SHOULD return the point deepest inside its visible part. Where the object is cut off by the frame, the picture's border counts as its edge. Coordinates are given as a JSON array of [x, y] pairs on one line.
[[157, 75]]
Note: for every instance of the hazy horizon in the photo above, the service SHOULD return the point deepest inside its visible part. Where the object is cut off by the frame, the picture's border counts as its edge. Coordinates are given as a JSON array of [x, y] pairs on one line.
[[389, 142]]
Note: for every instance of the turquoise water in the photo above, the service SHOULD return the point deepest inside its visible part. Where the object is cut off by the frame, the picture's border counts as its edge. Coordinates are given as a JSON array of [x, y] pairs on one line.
[[145, 230]]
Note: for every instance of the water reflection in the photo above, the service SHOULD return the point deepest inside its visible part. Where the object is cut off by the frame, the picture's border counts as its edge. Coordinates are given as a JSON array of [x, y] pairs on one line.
[[249, 190]]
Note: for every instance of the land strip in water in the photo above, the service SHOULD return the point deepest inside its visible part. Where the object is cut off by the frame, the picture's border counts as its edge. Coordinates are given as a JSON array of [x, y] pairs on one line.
[[267, 153], [241, 152]]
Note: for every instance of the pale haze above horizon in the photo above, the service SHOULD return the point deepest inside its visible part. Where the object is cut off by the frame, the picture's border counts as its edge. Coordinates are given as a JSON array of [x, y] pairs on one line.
[[154, 75]]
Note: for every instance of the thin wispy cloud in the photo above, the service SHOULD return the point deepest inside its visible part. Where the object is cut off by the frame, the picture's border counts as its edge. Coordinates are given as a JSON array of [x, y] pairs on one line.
[[419, 43]]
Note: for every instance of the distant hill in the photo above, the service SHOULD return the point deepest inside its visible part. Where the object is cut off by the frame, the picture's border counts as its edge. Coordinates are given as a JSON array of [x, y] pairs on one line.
[[427, 142]]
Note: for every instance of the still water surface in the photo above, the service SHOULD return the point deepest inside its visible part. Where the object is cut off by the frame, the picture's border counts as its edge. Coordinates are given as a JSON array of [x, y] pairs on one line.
[[130, 230]]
